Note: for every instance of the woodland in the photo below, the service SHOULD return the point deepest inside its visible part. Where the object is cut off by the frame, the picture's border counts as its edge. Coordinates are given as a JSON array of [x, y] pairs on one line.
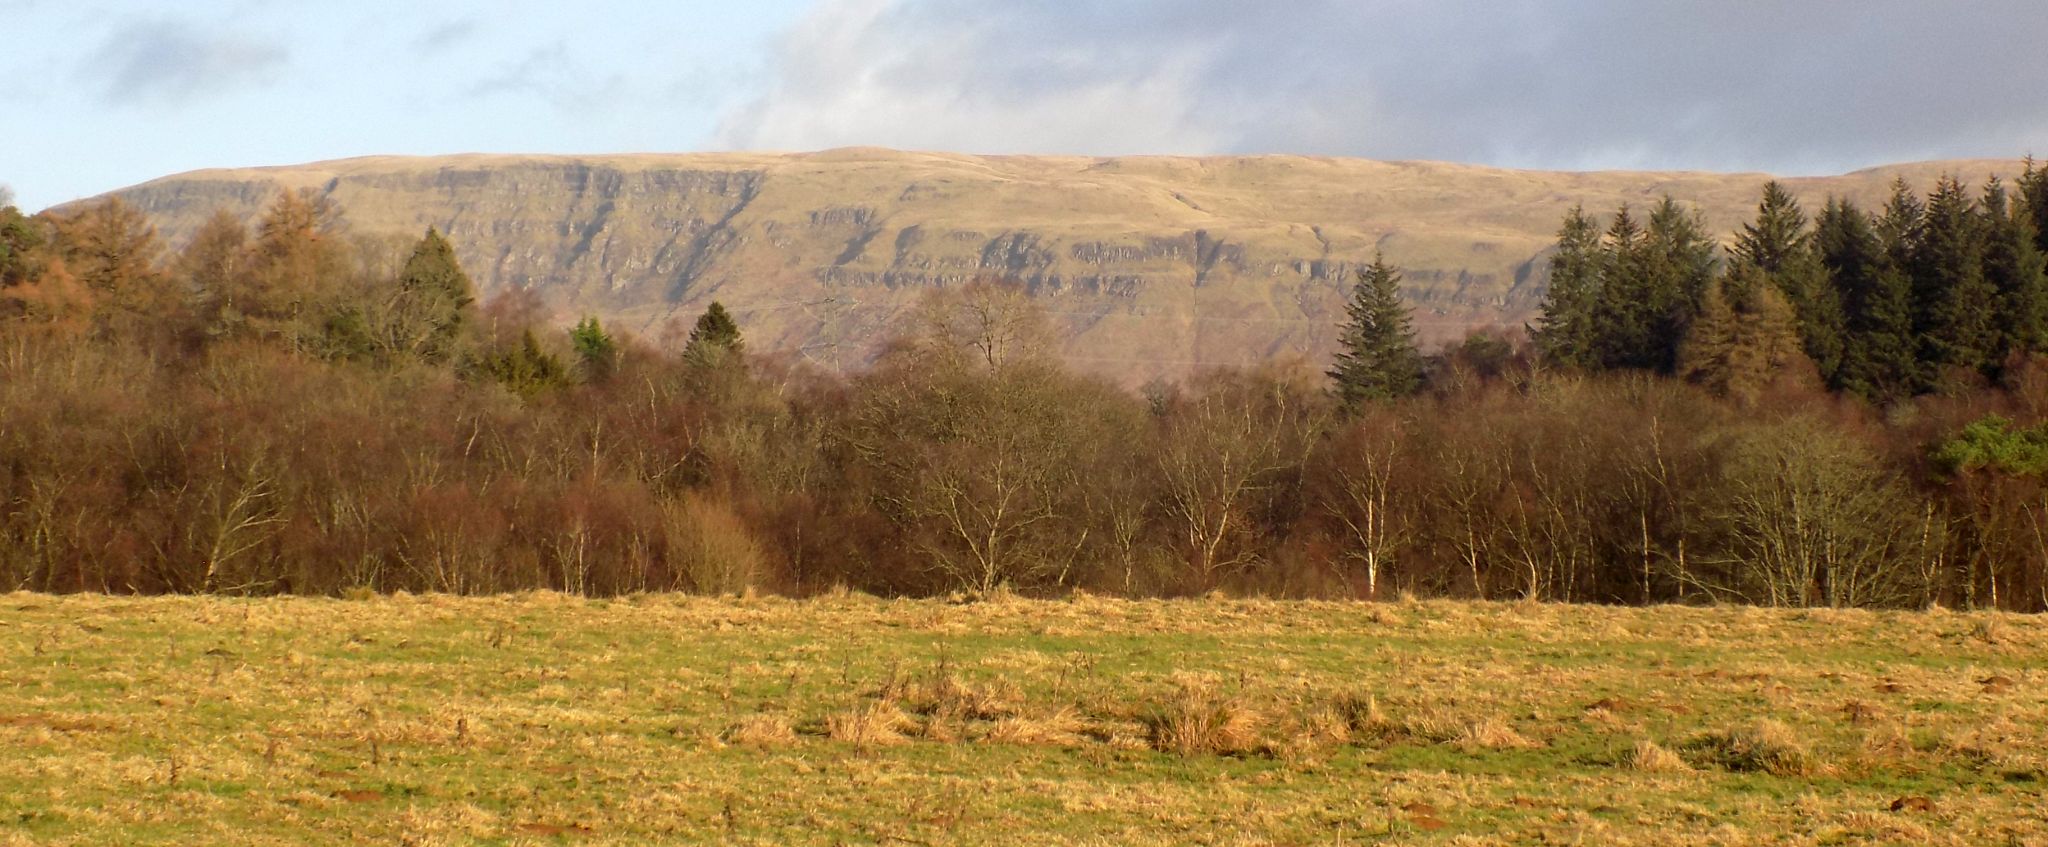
[[1845, 409]]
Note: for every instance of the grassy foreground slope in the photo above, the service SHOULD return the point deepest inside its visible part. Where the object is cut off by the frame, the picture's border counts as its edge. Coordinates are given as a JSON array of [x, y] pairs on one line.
[[548, 719]]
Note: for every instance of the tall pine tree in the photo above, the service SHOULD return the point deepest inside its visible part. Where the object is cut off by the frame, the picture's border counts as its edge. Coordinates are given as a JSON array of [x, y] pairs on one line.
[[1779, 247], [1652, 281], [715, 340], [1952, 299], [2013, 265], [1376, 356], [1879, 359], [1687, 257], [434, 299], [1625, 319], [1566, 330], [2034, 196]]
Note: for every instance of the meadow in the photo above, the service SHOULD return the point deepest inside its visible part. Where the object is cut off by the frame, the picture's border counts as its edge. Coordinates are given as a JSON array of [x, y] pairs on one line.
[[847, 719]]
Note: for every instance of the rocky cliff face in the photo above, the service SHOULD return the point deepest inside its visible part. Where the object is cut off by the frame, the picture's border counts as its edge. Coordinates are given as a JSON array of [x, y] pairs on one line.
[[1150, 266]]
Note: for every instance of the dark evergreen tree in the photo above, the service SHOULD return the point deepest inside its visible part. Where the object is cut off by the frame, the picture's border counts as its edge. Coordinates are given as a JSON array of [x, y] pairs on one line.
[[1952, 299], [1687, 257], [1652, 282], [1376, 356], [1780, 247], [1777, 239], [434, 299], [1879, 358], [2013, 264], [715, 339], [596, 351], [525, 370], [2034, 197], [1566, 330], [20, 238], [1624, 310], [1902, 225]]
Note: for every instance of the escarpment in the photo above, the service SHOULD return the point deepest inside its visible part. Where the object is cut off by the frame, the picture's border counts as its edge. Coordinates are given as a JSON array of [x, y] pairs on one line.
[[1148, 266]]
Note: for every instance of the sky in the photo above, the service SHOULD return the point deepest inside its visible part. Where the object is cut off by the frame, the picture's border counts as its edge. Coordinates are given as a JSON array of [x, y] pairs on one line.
[[99, 94]]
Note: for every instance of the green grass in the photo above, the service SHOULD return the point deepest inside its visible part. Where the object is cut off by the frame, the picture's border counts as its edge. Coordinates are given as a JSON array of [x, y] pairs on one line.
[[543, 719]]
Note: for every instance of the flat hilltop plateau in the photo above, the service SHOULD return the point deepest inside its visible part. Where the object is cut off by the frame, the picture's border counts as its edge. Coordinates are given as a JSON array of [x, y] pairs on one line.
[[1149, 266], [845, 719]]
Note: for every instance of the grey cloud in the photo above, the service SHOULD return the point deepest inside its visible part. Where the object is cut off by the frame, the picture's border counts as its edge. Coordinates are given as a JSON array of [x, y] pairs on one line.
[[1785, 86], [171, 61], [447, 35], [553, 75]]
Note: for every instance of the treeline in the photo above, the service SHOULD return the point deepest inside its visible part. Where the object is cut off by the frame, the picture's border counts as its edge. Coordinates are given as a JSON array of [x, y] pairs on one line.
[[1943, 294], [285, 407]]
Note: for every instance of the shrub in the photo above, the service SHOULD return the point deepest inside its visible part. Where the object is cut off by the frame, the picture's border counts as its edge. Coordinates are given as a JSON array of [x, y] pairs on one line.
[[709, 548]]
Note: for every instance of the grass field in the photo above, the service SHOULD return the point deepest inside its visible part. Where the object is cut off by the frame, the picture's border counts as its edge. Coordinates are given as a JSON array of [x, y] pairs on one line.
[[543, 719]]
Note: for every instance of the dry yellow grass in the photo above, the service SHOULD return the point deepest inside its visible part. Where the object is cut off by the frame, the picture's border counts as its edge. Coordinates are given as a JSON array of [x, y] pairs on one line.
[[1649, 757], [1492, 733], [847, 719], [1765, 746], [879, 722], [761, 731], [1063, 726]]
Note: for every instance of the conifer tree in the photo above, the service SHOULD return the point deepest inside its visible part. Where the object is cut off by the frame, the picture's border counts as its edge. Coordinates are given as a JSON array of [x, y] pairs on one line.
[[19, 241], [1704, 358], [714, 340], [295, 264], [1902, 224], [1376, 356], [434, 299], [1624, 320], [211, 261], [596, 350], [2013, 264], [1952, 299], [1778, 237], [1780, 247], [1687, 257], [1652, 282], [1741, 345], [2034, 197], [525, 370], [1878, 353], [1566, 330]]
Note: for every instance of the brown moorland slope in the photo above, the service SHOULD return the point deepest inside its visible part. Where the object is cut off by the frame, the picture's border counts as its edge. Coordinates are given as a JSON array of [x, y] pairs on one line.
[[1150, 265]]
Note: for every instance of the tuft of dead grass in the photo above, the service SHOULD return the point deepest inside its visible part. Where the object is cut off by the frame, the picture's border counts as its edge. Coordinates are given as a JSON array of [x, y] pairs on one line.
[[1886, 744], [1989, 631], [761, 730], [1494, 734], [873, 724], [1765, 746], [949, 698], [1062, 727], [1651, 757], [1199, 720], [1860, 713]]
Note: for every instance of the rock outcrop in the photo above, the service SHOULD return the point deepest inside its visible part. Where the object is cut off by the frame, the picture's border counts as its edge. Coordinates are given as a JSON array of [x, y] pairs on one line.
[[1150, 266]]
